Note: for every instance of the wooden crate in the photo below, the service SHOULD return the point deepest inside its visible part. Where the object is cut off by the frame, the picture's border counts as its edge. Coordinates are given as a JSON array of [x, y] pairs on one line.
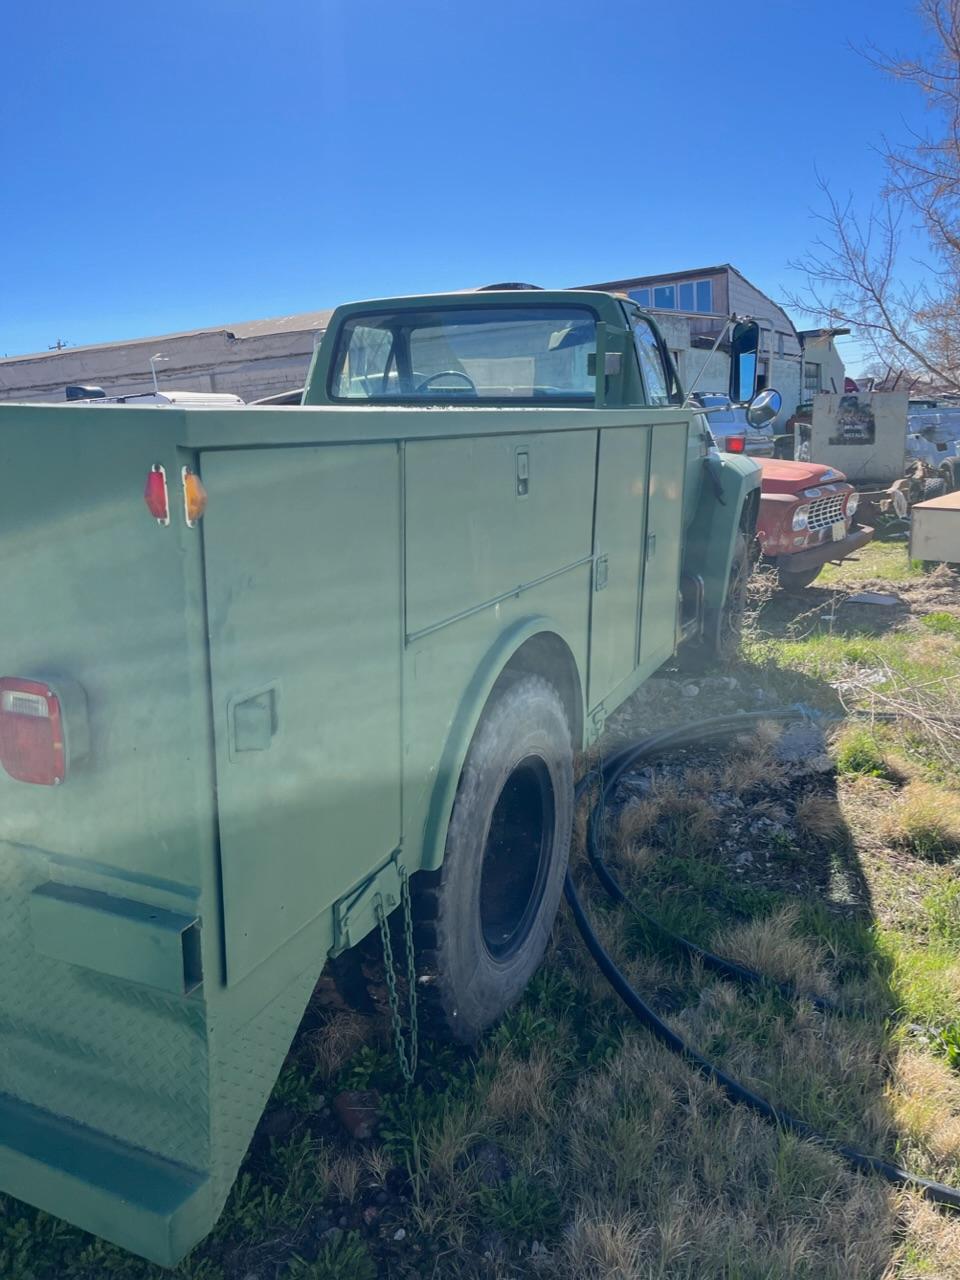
[[935, 529]]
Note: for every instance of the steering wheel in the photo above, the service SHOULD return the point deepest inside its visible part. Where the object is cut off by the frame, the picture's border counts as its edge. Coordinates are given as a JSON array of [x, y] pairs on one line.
[[447, 373]]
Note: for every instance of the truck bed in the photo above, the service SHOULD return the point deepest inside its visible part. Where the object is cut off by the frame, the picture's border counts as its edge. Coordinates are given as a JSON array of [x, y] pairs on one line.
[[276, 701]]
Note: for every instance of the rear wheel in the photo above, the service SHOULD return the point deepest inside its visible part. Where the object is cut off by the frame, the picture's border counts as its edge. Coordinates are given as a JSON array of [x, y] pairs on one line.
[[484, 919]]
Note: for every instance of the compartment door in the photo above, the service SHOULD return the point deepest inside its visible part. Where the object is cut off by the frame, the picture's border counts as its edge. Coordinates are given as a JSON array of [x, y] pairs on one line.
[[663, 546], [622, 468], [303, 574]]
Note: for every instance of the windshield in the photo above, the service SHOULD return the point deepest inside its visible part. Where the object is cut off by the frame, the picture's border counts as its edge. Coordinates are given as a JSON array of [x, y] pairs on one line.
[[486, 353]]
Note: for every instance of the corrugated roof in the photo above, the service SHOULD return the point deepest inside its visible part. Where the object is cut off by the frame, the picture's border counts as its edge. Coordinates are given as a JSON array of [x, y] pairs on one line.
[[304, 322]]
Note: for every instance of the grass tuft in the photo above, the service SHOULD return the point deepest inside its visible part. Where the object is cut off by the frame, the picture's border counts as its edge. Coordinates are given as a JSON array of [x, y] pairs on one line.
[[858, 751], [924, 820]]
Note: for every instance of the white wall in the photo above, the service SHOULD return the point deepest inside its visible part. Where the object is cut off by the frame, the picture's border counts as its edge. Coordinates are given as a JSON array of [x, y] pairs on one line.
[[879, 455]]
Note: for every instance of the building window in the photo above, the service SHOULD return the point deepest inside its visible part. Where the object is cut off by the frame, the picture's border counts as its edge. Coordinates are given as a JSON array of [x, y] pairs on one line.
[[811, 378], [779, 344], [695, 296]]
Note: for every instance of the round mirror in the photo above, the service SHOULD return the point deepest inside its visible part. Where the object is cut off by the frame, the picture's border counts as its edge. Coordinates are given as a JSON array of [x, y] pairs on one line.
[[764, 407]]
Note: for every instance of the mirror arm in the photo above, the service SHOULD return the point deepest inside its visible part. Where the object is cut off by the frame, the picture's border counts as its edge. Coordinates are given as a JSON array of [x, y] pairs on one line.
[[703, 368]]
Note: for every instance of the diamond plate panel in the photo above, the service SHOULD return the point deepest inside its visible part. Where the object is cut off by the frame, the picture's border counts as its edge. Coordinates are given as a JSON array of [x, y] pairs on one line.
[[122, 1059]]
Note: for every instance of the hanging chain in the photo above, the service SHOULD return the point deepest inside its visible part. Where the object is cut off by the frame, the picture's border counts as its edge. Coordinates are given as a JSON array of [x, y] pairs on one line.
[[407, 1051]]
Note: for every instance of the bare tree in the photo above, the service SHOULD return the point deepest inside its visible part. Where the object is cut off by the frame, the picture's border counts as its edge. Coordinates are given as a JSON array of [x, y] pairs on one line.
[[853, 270]]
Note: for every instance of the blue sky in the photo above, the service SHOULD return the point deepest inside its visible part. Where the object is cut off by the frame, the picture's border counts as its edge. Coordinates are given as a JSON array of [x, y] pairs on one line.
[[170, 166]]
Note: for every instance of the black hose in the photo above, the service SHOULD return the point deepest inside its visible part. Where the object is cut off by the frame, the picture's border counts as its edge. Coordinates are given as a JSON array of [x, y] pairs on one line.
[[719, 964], [612, 770]]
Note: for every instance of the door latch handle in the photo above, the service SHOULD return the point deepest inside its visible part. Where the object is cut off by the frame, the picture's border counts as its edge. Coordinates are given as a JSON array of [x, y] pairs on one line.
[[523, 473], [651, 545], [253, 721]]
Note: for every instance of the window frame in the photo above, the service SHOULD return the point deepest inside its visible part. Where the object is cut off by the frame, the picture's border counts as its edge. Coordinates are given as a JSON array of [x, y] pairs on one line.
[[672, 379], [400, 354], [695, 283]]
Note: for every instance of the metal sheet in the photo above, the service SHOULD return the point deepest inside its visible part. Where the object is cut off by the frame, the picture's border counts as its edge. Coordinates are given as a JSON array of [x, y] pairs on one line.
[[658, 624], [302, 550], [622, 479]]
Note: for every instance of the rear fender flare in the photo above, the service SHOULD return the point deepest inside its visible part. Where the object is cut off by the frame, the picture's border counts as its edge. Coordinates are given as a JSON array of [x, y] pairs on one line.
[[494, 665]]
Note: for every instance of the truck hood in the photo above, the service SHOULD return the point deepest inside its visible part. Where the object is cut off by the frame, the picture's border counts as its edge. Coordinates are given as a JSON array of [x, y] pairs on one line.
[[791, 477]]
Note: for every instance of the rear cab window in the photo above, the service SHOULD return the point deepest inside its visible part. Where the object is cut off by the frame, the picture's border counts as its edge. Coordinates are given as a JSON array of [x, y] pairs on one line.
[[474, 354]]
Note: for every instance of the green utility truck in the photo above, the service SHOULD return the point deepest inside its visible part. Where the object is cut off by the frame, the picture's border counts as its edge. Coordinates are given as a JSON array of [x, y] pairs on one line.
[[265, 671]]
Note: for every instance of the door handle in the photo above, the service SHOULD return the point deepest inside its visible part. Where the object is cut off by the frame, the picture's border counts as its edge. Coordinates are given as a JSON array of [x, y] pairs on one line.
[[651, 546], [253, 721]]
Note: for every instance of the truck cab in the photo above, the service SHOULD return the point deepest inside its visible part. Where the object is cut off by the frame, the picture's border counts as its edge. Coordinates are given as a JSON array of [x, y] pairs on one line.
[[520, 347]]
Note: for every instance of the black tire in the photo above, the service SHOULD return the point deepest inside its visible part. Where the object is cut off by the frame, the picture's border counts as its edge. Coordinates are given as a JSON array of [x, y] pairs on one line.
[[735, 604], [721, 649], [483, 920], [797, 581], [933, 487]]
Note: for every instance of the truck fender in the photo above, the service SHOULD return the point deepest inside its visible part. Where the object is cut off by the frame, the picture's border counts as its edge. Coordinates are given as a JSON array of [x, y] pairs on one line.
[[727, 505], [534, 645]]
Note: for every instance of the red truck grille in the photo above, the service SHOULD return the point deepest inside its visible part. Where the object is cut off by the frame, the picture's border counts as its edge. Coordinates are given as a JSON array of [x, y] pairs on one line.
[[827, 511]]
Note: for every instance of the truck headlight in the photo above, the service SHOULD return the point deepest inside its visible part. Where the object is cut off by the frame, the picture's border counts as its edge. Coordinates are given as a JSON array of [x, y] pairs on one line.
[[853, 501], [801, 517]]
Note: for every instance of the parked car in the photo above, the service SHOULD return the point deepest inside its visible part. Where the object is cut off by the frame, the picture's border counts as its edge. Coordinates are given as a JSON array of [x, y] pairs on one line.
[[731, 430], [933, 438], [807, 519]]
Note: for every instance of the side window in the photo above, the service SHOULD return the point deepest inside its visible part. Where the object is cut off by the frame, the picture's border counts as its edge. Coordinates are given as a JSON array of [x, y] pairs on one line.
[[658, 378]]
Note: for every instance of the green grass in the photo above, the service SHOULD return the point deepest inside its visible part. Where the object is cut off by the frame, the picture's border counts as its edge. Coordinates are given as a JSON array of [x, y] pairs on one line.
[[942, 624], [888, 560]]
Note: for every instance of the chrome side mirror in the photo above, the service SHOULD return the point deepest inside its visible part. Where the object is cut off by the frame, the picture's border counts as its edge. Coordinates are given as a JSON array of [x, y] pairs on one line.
[[764, 407]]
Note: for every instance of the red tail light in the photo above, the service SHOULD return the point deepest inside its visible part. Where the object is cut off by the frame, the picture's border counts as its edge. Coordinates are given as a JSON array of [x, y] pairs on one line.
[[735, 444], [32, 747], [155, 494]]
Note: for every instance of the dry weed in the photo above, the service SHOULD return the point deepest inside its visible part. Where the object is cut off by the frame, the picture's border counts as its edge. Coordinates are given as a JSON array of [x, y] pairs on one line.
[[377, 1165], [749, 770], [932, 1243], [449, 1141], [925, 820], [522, 1088], [344, 1175], [603, 1245], [334, 1044], [771, 946], [925, 1100], [672, 815], [818, 815]]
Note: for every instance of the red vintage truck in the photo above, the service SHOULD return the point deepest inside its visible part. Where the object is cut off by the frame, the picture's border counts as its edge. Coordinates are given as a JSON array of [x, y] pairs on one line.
[[807, 519]]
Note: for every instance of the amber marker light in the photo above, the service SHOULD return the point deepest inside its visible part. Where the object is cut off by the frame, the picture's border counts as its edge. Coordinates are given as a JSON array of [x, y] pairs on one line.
[[194, 497]]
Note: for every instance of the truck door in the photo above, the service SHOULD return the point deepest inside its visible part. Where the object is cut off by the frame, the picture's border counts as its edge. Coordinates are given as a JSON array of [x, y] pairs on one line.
[[663, 543], [303, 574], [622, 472]]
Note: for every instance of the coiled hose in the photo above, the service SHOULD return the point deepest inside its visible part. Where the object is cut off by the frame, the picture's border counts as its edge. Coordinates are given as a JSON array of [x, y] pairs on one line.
[[612, 770]]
